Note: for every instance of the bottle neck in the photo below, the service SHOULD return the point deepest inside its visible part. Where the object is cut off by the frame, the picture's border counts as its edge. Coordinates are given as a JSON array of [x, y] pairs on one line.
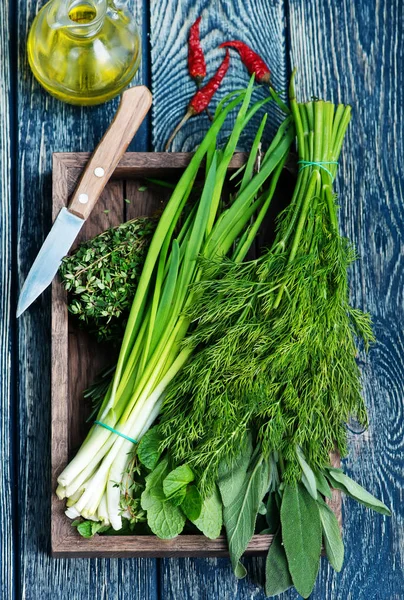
[[79, 18]]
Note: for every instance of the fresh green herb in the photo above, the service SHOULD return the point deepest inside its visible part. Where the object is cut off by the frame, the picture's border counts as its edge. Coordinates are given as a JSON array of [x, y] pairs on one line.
[[240, 515], [278, 577], [210, 519], [164, 518], [333, 543], [273, 353], [192, 503], [301, 536], [152, 353], [101, 277], [177, 480], [340, 481], [149, 448]]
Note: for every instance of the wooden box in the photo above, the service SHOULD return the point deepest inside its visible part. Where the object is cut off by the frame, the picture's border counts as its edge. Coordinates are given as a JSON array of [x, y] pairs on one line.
[[77, 359]]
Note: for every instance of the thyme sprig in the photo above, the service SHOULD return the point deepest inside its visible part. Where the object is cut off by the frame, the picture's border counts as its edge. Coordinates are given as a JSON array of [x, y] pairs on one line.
[[101, 276]]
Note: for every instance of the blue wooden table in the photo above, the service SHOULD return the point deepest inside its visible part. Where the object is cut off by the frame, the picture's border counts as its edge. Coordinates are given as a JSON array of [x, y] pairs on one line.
[[346, 50]]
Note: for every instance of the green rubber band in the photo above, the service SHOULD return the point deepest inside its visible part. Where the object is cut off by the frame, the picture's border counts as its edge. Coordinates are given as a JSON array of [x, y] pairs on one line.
[[115, 431], [320, 164]]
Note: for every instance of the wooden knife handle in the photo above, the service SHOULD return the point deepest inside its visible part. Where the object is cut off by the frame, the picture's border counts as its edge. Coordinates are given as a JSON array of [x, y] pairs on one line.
[[133, 108]]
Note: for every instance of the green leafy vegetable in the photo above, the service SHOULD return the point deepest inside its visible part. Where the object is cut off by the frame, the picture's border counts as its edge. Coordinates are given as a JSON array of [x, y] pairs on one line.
[[322, 484], [301, 535], [210, 520], [177, 479], [232, 473], [149, 448], [164, 518], [308, 476], [333, 543], [340, 481], [88, 529], [277, 576], [240, 516], [192, 503]]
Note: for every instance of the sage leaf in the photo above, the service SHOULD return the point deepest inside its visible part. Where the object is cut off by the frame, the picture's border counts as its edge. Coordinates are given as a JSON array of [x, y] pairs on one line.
[[164, 518], [334, 546], [342, 482], [148, 449], [177, 479], [277, 575], [240, 516], [210, 520], [308, 477], [301, 534], [322, 484], [192, 503], [232, 475]]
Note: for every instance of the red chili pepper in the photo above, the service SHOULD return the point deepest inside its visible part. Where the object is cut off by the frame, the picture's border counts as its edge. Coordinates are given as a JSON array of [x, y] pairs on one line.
[[251, 60], [196, 58], [202, 98]]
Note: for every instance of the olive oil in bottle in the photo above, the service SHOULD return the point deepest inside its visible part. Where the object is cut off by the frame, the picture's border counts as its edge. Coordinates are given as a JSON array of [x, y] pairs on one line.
[[84, 51]]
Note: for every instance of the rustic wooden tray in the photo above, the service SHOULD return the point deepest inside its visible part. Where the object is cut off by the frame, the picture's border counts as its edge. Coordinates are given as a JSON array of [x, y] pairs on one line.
[[76, 358]]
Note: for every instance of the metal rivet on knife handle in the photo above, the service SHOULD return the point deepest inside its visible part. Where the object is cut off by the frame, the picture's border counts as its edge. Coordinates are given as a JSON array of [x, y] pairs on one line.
[[134, 106]]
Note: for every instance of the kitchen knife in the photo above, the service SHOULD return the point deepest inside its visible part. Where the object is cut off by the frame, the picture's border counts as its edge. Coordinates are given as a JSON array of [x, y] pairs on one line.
[[134, 106]]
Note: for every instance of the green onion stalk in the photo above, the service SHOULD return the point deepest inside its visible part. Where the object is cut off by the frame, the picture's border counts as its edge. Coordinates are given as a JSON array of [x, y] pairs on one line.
[[152, 352]]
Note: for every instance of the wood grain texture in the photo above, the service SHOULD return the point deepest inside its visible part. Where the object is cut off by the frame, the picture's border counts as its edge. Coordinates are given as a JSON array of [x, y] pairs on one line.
[[7, 516], [47, 125], [258, 23], [353, 52]]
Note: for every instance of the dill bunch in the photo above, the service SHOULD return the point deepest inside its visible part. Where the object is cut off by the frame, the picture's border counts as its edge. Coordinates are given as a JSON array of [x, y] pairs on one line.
[[275, 339], [101, 276]]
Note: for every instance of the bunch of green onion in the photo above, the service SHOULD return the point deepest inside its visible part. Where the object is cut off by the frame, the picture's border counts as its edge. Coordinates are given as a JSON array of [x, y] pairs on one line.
[[152, 352]]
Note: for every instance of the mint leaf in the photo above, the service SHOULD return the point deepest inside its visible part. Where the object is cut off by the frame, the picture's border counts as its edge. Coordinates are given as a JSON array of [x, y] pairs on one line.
[[340, 481], [232, 474], [148, 448], [301, 535], [85, 529], [178, 498], [177, 479], [210, 520], [192, 504], [240, 516], [334, 546], [277, 576], [164, 518]]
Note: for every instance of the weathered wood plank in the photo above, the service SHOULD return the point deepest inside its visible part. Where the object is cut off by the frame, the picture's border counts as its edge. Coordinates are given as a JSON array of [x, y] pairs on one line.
[[353, 52], [46, 126], [7, 516], [261, 25]]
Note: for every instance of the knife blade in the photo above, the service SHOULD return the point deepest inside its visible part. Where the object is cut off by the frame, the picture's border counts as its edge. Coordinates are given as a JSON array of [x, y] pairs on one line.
[[134, 106]]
